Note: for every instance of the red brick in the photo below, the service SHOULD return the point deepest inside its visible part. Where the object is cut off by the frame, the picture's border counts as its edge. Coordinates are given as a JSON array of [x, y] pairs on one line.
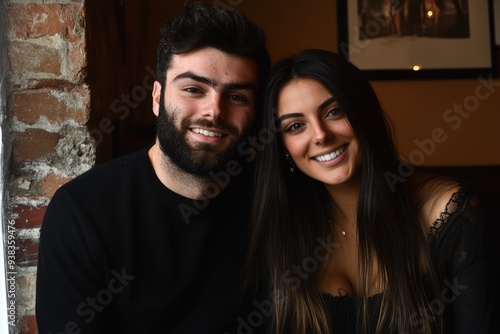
[[78, 61], [29, 58], [77, 34], [27, 252], [49, 184], [35, 20], [34, 144], [57, 105], [48, 83], [27, 325], [28, 216]]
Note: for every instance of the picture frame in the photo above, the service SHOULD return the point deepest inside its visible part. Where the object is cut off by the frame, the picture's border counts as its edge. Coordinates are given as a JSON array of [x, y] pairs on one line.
[[388, 40], [496, 21]]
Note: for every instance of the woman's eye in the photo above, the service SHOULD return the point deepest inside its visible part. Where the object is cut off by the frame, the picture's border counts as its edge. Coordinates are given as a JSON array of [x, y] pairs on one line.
[[335, 112], [293, 127]]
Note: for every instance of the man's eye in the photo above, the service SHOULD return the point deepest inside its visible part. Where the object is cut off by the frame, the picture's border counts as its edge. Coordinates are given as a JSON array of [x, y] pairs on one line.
[[193, 90], [238, 98]]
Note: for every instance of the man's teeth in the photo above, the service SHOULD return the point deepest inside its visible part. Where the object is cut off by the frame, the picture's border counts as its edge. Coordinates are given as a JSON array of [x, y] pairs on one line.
[[333, 155], [207, 133]]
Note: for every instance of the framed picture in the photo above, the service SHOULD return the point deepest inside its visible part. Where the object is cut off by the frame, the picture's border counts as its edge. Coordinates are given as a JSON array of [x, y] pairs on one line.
[[417, 39], [496, 20]]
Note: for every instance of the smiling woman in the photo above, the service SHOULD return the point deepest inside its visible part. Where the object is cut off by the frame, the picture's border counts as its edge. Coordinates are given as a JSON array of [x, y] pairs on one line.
[[324, 176], [316, 132]]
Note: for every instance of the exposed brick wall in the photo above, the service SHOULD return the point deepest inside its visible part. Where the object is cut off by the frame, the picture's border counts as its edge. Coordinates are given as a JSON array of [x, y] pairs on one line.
[[48, 109]]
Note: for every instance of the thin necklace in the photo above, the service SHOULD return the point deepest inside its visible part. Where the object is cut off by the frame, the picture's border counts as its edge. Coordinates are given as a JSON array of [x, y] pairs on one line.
[[343, 231]]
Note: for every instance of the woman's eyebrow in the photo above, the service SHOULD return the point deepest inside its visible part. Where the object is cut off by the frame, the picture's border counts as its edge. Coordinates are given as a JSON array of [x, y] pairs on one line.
[[286, 116], [293, 115], [326, 103]]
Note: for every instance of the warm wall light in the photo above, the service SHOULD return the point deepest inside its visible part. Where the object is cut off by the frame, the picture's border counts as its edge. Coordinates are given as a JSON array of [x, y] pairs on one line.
[[430, 14], [416, 68]]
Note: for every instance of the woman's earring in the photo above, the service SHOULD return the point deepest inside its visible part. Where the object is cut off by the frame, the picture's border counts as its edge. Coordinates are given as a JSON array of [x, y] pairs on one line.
[[290, 161]]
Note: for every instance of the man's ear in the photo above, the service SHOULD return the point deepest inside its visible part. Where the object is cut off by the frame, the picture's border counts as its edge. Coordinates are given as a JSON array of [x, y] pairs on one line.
[[156, 97]]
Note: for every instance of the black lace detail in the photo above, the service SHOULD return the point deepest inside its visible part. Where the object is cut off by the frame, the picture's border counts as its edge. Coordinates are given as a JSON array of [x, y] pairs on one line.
[[456, 201]]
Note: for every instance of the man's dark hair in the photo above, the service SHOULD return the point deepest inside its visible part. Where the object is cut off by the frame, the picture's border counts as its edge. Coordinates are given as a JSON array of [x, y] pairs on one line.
[[201, 25]]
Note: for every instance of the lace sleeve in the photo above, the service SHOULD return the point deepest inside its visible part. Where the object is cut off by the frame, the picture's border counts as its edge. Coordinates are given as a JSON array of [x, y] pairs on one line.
[[458, 250]]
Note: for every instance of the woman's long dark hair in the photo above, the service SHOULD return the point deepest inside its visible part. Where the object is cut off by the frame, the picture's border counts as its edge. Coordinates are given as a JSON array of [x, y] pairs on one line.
[[291, 211]]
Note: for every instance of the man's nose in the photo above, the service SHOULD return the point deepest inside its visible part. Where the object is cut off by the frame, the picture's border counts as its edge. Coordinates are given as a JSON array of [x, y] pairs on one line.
[[214, 107]]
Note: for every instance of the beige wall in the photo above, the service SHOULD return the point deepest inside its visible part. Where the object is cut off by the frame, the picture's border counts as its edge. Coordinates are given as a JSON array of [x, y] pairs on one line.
[[415, 107]]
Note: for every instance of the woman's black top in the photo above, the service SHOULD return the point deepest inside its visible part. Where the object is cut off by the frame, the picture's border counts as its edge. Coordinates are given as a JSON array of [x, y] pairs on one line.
[[457, 248]]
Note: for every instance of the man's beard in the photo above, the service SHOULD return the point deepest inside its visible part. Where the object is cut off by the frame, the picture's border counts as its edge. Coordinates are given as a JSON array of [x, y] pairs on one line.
[[200, 159]]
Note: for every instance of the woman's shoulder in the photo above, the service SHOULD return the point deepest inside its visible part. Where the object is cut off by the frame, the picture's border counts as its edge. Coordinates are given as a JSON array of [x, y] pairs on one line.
[[436, 197]]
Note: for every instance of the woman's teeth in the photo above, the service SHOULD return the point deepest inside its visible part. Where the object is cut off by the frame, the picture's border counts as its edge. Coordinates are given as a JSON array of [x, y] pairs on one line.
[[331, 156]]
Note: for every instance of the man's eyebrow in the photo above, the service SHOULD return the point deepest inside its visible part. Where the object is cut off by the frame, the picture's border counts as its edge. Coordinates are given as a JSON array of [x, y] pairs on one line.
[[240, 85], [195, 77], [213, 83]]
